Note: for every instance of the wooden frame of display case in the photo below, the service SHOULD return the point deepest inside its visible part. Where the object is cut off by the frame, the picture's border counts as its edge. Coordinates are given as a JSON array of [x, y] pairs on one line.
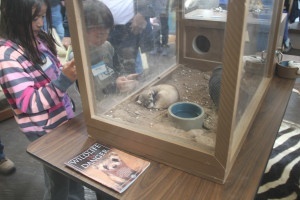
[[213, 165]]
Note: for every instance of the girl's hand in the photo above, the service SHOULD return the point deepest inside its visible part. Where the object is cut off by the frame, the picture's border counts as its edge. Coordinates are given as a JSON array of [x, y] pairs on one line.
[[127, 83], [132, 76], [69, 70]]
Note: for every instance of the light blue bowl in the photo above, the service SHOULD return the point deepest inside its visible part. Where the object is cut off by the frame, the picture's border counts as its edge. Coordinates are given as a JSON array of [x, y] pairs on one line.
[[186, 115]]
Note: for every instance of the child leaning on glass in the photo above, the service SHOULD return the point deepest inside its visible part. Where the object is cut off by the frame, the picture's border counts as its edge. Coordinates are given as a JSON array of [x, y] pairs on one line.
[[108, 74]]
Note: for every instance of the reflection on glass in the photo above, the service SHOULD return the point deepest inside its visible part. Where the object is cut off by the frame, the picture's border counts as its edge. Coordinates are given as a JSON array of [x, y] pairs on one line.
[[132, 54], [223, 4], [135, 51], [213, 10], [127, 51], [255, 53], [200, 4]]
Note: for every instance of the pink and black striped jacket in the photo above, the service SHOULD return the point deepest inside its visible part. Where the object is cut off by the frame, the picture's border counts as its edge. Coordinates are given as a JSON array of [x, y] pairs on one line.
[[37, 94]]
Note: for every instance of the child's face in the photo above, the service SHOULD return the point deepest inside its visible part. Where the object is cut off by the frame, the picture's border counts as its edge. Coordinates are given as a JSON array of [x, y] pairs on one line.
[[97, 36], [38, 21]]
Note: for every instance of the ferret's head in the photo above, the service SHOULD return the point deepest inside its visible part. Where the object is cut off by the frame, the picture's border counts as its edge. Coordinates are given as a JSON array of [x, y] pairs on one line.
[[146, 99], [112, 162]]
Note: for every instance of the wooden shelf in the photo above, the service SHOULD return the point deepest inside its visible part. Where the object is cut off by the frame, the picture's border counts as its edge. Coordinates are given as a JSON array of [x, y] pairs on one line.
[[163, 182]]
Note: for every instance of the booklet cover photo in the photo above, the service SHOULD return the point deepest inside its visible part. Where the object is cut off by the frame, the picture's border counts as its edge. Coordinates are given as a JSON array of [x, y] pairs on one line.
[[109, 166]]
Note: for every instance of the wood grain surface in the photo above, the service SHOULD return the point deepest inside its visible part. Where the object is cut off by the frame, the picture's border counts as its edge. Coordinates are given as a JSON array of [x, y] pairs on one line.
[[163, 182]]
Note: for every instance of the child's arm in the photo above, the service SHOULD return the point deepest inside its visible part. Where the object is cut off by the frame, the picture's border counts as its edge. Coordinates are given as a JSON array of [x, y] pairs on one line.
[[31, 91]]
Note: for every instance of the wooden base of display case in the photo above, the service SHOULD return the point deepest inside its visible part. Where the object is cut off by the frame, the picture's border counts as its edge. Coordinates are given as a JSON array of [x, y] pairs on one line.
[[197, 160]]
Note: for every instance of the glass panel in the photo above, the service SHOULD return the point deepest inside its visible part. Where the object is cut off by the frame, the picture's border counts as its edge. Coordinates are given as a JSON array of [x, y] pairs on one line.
[[137, 50], [129, 59], [256, 49], [191, 5], [130, 52], [212, 10]]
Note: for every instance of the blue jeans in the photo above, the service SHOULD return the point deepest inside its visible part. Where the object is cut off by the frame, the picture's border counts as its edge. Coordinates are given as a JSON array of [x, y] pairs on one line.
[[57, 21], [286, 28], [57, 185], [60, 187], [2, 156], [127, 44]]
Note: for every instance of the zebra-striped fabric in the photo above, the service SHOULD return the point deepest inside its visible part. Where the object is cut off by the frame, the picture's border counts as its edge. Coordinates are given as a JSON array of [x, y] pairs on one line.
[[282, 174]]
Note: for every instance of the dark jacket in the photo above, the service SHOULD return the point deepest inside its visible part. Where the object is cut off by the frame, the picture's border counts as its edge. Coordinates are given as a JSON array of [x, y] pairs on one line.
[[294, 14], [145, 7]]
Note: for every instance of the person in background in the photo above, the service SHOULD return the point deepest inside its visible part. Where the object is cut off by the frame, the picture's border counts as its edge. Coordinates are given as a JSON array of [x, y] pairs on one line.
[[161, 28], [292, 14], [107, 72], [35, 82], [57, 17], [6, 165], [66, 41], [223, 4], [132, 31]]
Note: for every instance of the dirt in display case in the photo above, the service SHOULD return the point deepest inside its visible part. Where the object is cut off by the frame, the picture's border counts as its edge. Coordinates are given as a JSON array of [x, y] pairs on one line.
[[192, 85]]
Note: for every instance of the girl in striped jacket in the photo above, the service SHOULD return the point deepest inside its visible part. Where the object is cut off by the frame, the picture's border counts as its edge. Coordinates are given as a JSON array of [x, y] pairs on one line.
[[34, 81], [30, 72]]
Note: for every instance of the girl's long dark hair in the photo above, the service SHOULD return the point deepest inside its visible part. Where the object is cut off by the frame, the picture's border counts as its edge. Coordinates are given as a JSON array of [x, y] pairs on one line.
[[16, 25]]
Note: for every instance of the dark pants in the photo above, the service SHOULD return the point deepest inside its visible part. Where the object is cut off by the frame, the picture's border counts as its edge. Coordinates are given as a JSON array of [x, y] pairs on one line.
[[60, 187], [2, 156], [164, 32], [103, 196], [126, 45]]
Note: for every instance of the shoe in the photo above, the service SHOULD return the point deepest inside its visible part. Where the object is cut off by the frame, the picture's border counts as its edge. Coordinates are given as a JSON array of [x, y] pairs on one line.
[[165, 50], [6, 166], [287, 46]]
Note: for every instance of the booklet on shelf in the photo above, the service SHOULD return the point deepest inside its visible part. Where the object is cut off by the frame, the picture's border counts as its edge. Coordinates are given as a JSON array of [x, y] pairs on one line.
[[109, 166]]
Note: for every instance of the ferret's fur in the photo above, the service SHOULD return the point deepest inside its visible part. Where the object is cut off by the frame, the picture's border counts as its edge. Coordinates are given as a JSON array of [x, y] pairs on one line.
[[158, 97]]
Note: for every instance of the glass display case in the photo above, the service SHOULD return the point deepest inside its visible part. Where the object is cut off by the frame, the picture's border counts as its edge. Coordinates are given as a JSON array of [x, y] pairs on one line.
[[188, 102]]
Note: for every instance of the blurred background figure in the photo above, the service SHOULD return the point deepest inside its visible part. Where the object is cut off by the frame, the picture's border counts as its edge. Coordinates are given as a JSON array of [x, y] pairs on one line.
[[132, 32], [161, 28], [57, 17], [223, 4], [291, 7]]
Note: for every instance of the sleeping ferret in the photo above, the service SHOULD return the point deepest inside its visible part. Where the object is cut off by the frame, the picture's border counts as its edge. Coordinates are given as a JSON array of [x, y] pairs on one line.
[[158, 96]]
